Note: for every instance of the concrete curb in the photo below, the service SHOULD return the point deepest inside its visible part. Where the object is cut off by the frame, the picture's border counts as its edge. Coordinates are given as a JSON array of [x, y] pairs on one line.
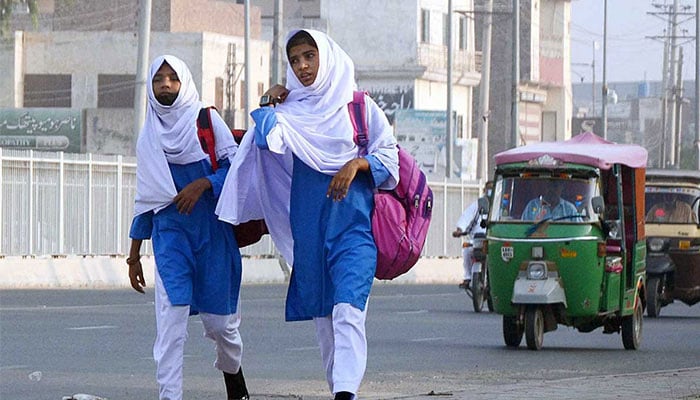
[[97, 272]]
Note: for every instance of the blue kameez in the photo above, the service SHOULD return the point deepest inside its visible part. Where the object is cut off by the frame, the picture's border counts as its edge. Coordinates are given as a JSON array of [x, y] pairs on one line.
[[334, 252], [195, 254]]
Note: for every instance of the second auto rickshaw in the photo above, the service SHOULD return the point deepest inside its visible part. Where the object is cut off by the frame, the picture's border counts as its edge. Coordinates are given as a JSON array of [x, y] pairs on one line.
[[565, 239], [673, 238]]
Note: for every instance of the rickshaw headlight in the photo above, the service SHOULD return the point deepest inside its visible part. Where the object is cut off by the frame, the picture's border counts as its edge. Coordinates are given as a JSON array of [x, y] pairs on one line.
[[537, 271], [656, 244]]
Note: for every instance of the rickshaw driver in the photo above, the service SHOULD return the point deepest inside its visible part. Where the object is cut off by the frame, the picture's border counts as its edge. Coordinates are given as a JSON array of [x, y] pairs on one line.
[[550, 205], [672, 210]]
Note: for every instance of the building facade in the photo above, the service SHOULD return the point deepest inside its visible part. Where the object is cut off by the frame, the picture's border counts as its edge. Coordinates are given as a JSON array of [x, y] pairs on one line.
[[399, 48], [545, 100], [84, 56]]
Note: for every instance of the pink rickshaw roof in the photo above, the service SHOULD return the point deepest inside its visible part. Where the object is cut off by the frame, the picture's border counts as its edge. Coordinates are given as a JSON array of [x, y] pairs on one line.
[[586, 148]]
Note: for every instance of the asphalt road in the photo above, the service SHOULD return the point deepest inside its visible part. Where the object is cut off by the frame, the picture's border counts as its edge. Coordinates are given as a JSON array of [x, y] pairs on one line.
[[422, 338]]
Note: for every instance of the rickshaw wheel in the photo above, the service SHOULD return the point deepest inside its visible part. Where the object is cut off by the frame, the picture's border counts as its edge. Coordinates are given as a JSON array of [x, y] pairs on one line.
[[487, 291], [654, 297], [534, 327], [478, 291], [512, 331], [632, 327]]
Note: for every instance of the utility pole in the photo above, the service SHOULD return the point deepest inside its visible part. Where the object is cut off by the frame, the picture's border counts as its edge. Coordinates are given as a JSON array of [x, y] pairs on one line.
[[593, 76], [142, 65], [670, 143], [230, 111], [664, 102], [673, 79], [604, 107], [246, 16], [484, 91], [678, 104], [448, 136], [276, 30], [697, 83], [515, 117]]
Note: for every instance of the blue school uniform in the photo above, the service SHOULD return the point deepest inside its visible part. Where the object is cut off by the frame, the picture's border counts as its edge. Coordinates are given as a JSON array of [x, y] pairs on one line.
[[196, 255], [335, 256]]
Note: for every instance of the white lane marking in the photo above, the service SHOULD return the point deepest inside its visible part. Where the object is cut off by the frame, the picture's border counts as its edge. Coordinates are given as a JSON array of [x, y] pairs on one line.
[[82, 307], [8, 367], [413, 312], [89, 328], [303, 348], [433, 339]]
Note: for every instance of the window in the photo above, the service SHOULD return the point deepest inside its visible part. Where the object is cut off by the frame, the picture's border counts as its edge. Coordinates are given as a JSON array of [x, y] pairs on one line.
[[47, 90], [460, 126], [425, 26], [115, 91], [463, 32], [219, 93], [445, 29]]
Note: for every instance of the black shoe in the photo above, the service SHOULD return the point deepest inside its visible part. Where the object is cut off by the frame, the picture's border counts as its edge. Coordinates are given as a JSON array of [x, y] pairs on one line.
[[465, 284], [235, 386], [344, 396]]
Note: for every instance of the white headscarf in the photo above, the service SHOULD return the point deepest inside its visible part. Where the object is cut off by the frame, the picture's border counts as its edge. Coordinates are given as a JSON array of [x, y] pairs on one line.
[[169, 135], [314, 119]]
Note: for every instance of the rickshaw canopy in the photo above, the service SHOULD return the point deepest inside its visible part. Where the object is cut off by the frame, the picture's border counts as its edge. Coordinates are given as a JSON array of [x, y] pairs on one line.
[[586, 148], [673, 175]]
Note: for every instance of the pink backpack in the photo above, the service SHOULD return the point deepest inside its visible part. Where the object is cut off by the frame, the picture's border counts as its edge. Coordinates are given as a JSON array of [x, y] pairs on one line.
[[401, 217]]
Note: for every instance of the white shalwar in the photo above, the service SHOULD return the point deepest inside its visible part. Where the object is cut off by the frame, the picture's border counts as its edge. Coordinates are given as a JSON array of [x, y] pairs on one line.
[[341, 337], [171, 334]]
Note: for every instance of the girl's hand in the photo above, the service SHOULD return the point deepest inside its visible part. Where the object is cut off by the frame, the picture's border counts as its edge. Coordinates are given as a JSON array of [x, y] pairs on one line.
[[340, 184], [278, 92]]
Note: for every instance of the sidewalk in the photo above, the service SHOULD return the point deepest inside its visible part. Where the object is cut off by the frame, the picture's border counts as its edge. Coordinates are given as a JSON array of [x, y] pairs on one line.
[[110, 271], [672, 384]]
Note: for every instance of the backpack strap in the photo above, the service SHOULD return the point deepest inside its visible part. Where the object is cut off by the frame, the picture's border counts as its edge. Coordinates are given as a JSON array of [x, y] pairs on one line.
[[358, 117], [205, 133]]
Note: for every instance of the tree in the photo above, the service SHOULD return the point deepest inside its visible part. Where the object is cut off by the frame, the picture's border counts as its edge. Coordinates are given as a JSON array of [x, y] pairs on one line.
[[6, 8]]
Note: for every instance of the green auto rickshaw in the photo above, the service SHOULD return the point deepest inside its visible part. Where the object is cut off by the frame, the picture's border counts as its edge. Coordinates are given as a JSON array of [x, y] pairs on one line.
[[565, 239]]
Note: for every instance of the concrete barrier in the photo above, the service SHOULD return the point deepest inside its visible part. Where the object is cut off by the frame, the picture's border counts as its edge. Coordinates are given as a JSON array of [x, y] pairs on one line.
[[97, 272]]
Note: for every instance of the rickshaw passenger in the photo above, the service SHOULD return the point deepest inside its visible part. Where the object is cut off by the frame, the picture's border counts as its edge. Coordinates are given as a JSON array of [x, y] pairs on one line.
[[550, 205], [673, 211]]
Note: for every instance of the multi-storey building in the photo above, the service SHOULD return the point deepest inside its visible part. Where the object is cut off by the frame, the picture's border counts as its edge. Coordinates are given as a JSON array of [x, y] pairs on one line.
[[545, 100], [400, 52], [82, 56]]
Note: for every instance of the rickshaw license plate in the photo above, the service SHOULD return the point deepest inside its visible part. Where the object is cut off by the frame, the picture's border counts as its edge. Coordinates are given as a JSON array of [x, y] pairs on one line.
[[506, 253]]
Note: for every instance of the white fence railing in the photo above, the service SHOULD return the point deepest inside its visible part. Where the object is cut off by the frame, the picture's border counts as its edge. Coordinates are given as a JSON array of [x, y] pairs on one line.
[[63, 203]]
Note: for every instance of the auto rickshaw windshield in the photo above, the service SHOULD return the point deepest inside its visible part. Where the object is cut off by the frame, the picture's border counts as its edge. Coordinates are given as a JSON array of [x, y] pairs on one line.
[[671, 205], [536, 197]]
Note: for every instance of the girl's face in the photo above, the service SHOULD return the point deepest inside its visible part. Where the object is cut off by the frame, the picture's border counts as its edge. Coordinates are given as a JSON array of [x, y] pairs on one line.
[[303, 59], [166, 85]]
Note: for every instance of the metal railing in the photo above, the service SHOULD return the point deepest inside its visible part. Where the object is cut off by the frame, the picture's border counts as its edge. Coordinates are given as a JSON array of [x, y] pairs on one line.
[[55, 203]]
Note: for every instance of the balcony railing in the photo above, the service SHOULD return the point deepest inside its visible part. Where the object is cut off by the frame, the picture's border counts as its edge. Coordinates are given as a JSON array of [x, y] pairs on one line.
[[434, 57]]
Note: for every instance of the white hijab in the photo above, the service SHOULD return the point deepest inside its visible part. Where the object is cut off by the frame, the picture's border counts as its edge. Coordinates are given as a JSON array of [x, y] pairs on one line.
[[313, 120], [169, 135]]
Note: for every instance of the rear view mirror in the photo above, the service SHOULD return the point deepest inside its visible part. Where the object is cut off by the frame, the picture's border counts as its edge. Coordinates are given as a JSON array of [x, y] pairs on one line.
[[484, 205], [598, 205]]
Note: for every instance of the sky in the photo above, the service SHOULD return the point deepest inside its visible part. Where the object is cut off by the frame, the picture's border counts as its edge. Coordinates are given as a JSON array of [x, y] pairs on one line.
[[631, 55]]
